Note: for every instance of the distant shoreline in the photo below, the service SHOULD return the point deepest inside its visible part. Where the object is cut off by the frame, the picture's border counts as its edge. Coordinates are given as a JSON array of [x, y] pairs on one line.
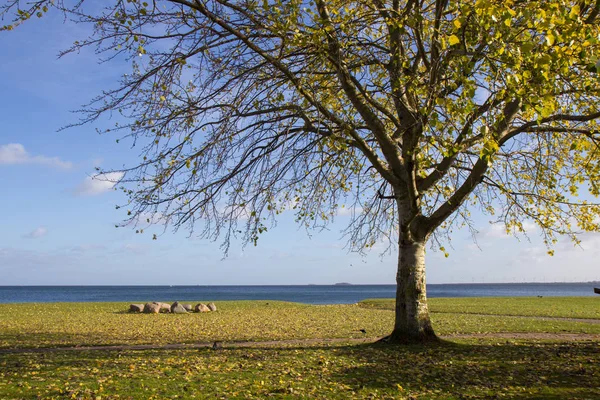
[[301, 285]]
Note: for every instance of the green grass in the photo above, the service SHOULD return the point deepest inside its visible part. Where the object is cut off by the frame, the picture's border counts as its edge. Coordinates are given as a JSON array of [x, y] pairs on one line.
[[67, 324], [457, 369], [564, 307], [63, 324], [468, 369]]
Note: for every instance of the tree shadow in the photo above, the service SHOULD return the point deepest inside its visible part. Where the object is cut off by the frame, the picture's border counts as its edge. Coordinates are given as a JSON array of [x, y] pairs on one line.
[[532, 370], [486, 368]]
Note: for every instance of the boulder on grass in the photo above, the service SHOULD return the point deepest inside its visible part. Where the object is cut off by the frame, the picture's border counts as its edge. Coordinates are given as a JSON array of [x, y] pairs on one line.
[[201, 307], [177, 308], [212, 306], [151, 308], [136, 307], [164, 307], [188, 307]]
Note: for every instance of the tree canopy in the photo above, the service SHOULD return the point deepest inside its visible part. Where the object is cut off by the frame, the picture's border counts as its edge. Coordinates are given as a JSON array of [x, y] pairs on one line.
[[409, 112]]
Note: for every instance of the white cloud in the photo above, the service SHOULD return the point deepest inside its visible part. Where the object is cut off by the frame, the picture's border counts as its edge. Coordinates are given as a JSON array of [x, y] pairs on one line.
[[529, 226], [15, 153], [36, 233], [532, 254], [98, 184], [498, 230], [494, 231]]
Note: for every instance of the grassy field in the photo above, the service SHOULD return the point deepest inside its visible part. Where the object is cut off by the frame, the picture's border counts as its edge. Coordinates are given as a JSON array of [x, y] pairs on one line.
[[469, 367], [561, 307], [69, 324]]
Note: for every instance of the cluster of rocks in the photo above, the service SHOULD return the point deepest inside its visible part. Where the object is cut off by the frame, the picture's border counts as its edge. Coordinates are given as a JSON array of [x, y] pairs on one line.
[[175, 308]]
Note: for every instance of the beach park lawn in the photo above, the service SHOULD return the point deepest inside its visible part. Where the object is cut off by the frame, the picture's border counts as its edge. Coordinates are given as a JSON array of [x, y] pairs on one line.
[[542, 348]]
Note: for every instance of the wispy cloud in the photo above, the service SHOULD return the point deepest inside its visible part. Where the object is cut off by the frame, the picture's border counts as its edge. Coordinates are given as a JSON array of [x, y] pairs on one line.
[[87, 248], [98, 184], [36, 233], [498, 230], [532, 254], [494, 231], [15, 153]]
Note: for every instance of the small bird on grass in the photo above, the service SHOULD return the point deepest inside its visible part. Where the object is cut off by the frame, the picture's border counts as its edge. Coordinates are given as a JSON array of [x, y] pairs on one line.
[[217, 345]]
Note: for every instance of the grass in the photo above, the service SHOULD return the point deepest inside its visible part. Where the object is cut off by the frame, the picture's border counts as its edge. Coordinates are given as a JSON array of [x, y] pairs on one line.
[[453, 369], [464, 370], [42, 325], [68, 324], [565, 307]]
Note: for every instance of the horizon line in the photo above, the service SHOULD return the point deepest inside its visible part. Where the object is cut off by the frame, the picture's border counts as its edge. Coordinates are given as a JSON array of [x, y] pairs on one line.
[[304, 284]]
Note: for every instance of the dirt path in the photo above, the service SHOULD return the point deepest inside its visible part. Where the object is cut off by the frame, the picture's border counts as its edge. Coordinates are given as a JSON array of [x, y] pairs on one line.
[[304, 342], [176, 346], [528, 336], [568, 319]]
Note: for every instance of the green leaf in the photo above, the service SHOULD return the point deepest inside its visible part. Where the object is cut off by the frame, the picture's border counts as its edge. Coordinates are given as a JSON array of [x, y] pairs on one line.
[[526, 48]]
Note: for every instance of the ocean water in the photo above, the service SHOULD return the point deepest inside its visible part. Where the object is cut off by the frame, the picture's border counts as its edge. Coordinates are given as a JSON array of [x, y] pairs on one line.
[[311, 294]]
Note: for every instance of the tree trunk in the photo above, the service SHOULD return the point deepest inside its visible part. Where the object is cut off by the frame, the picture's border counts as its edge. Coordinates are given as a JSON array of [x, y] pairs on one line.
[[412, 315]]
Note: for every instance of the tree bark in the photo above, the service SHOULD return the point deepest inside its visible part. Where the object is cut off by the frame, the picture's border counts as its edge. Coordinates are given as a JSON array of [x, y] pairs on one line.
[[412, 314]]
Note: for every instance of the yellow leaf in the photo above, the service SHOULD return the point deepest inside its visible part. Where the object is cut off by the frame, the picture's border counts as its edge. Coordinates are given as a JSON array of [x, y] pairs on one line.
[[453, 40], [457, 24], [575, 11]]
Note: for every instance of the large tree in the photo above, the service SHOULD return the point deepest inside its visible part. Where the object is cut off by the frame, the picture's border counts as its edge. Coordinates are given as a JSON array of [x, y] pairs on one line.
[[407, 111]]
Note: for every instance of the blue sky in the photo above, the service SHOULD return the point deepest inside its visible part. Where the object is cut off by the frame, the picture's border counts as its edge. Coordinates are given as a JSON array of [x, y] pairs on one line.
[[57, 226]]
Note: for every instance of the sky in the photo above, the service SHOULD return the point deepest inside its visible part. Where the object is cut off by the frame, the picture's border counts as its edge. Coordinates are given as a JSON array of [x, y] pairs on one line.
[[57, 224]]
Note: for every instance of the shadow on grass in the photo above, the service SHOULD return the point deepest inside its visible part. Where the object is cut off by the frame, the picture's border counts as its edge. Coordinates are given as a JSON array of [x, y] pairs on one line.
[[484, 369], [448, 370], [541, 370]]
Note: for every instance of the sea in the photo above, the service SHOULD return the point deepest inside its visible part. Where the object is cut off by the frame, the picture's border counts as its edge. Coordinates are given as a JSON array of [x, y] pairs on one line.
[[310, 294]]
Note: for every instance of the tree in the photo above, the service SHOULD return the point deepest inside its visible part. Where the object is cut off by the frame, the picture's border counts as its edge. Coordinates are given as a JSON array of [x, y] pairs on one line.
[[409, 111]]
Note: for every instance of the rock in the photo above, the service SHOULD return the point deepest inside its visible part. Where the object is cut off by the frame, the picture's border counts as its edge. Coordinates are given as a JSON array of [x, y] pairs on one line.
[[177, 308], [188, 307], [136, 307], [212, 306], [151, 308], [200, 307], [164, 307]]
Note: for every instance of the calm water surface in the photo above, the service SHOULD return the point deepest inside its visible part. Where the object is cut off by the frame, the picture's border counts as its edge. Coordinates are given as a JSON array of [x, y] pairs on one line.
[[312, 294]]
